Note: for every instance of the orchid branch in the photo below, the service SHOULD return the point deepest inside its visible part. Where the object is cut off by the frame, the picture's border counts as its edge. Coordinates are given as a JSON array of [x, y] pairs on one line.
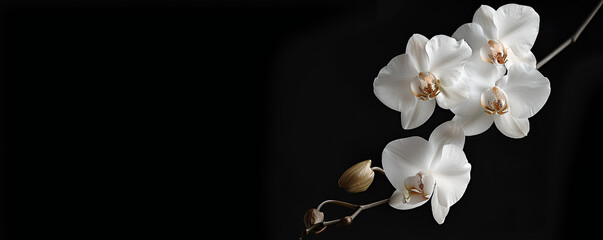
[[447, 138], [355, 179], [572, 39], [337, 202], [347, 220]]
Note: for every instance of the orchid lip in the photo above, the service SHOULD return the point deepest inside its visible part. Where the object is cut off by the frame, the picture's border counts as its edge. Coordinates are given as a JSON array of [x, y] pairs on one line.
[[421, 184], [495, 101], [494, 52], [425, 86]]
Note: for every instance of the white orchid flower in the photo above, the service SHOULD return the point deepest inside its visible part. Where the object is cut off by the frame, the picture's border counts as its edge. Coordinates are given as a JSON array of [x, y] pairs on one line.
[[502, 37], [421, 169], [508, 101], [430, 69]]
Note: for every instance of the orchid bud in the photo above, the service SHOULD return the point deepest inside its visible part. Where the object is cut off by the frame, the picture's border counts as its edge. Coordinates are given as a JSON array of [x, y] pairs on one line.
[[357, 178], [313, 216]]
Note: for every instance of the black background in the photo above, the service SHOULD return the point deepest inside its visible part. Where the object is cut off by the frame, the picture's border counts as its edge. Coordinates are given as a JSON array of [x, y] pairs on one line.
[[131, 118]]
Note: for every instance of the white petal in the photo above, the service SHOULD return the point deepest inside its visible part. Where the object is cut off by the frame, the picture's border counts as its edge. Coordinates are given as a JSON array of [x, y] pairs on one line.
[[447, 56], [406, 157], [479, 76], [392, 84], [470, 107], [439, 212], [511, 126], [452, 175], [512, 58], [527, 89], [474, 124], [398, 201], [447, 133], [473, 34], [484, 16], [416, 49], [453, 96], [417, 114], [517, 27]]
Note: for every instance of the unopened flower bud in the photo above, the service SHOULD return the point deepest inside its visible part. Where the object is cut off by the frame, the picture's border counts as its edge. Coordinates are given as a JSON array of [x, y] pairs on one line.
[[313, 216], [357, 178]]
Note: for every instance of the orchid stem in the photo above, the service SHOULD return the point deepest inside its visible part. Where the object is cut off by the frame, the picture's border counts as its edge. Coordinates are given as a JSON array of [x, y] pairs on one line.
[[319, 227], [371, 205], [340, 203], [359, 208], [378, 169], [344, 220], [572, 39]]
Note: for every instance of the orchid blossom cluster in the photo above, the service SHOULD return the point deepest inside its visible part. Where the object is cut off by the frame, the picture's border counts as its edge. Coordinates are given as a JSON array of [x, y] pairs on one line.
[[484, 73]]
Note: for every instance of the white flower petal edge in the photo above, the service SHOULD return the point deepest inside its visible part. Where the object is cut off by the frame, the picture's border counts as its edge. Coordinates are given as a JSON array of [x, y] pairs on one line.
[[398, 200], [420, 170], [393, 80], [417, 114], [511, 126], [447, 133], [416, 49], [473, 34], [451, 175], [439, 212], [474, 124], [484, 16]]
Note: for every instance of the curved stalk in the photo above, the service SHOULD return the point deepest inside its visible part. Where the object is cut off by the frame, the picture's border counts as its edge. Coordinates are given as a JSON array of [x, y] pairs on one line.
[[347, 220]]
